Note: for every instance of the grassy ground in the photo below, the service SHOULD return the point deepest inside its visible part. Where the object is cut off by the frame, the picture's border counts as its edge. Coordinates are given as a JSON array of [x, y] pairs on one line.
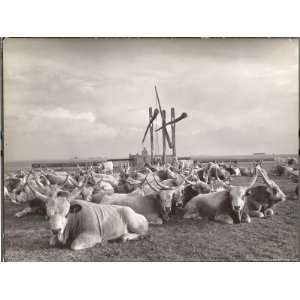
[[272, 239]]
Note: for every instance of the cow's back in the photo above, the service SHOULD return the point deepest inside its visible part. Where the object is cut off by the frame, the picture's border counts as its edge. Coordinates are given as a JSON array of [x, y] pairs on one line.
[[102, 222], [141, 204], [208, 205]]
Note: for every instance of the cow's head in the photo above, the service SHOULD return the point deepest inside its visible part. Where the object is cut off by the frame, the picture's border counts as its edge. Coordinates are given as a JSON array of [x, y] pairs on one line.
[[238, 200], [199, 186], [58, 206], [22, 193], [169, 197], [238, 196], [19, 196]]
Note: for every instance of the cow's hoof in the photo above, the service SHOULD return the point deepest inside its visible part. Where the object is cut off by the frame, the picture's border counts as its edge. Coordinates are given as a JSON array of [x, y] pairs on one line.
[[260, 215], [247, 220], [124, 239], [229, 222]]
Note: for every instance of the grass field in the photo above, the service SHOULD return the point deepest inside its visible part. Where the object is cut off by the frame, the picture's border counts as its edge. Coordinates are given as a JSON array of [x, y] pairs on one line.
[[271, 239]]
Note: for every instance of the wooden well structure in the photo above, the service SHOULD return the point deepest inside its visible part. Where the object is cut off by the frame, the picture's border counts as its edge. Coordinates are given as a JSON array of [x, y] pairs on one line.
[[167, 141]]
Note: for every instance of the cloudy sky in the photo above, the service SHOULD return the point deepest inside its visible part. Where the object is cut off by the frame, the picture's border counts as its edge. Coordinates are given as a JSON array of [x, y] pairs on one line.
[[90, 97]]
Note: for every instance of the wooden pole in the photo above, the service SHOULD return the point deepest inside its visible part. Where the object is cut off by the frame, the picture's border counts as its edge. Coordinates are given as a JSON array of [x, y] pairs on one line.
[[151, 135], [173, 132], [164, 140]]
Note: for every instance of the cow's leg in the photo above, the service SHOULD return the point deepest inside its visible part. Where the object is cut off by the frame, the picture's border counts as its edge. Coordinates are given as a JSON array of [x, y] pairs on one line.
[[137, 224], [53, 240], [256, 214], [246, 218], [84, 241], [130, 236], [193, 215], [154, 219], [27, 210], [224, 219]]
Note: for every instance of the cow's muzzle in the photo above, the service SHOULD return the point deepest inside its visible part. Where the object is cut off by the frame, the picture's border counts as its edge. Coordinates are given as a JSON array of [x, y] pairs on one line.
[[236, 208], [56, 231]]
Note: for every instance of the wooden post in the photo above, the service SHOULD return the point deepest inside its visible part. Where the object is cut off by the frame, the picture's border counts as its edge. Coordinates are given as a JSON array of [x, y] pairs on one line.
[[173, 132], [151, 135], [164, 140]]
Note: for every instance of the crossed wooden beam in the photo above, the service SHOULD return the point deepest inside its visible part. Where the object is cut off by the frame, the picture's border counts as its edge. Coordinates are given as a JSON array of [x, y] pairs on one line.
[[164, 123]]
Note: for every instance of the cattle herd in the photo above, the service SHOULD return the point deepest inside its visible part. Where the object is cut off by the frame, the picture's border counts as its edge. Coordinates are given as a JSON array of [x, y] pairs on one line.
[[86, 206]]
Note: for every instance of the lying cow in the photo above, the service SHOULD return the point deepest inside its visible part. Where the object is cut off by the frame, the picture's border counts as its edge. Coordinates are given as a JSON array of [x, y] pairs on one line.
[[193, 189], [156, 207], [82, 224], [262, 199], [228, 206]]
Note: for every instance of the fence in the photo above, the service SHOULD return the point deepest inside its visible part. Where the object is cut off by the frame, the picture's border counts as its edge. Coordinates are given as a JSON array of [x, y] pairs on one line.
[[118, 163]]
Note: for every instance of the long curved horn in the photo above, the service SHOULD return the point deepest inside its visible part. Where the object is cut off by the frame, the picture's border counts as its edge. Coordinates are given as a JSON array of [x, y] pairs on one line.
[[205, 175], [71, 179], [65, 182], [208, 170], [77, 191], [163, 186], [141, 182], [185, 179], [154, 189], [264, 175], [221, 182], [253, 180], [38, 183], [46, 179], [36, 193]]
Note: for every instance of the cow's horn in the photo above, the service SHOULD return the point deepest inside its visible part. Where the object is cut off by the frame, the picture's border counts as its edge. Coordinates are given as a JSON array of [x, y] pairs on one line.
[[154, 189], [163, 186], [253, 179]]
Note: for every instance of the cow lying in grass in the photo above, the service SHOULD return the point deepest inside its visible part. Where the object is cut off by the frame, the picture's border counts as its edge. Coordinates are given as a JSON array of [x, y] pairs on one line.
[[156, 207], [262, 199], [228, 206], [81, 224]]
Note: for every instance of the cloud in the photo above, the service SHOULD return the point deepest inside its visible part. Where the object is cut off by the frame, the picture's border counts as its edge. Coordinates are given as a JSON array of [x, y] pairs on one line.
[[85, 97], [64, 114]]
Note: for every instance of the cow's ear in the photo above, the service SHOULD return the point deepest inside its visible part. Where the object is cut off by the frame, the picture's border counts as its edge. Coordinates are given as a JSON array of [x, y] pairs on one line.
[[248, 192], [75, 208]]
